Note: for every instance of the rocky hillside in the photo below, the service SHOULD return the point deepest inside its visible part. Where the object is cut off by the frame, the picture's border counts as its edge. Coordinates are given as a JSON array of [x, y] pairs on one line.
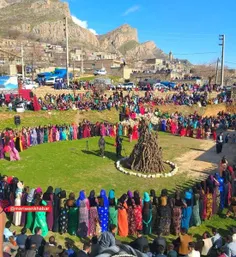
[[124, 40], [41, 20]]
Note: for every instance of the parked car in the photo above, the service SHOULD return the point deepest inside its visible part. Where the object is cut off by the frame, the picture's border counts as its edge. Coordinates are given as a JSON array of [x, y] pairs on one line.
[[51, 81], [29, 84], [100, 72], [127, 86]]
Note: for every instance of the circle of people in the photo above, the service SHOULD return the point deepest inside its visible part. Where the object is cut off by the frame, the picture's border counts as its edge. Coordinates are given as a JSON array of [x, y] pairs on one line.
[[90, 216]]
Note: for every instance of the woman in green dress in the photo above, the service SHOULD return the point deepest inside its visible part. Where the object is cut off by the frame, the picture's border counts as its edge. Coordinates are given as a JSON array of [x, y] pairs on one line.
[[40, 216], [30, 215], [113, 210], [72, 215], [45, 137]]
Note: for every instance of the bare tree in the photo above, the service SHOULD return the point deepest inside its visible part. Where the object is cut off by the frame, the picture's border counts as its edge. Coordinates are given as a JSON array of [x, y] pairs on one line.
[[204, 71]]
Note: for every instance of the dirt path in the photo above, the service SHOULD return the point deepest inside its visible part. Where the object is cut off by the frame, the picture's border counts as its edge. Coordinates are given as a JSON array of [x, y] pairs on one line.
[[201, 162]]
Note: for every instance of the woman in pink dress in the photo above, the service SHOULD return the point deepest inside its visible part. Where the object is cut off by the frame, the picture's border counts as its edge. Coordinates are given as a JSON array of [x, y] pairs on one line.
[[75, 131], [86, 132], [135, 133], [102, 130], [142, 110]]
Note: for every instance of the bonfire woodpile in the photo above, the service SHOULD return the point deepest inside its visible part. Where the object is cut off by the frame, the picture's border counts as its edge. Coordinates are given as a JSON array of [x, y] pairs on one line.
[[147, 155]]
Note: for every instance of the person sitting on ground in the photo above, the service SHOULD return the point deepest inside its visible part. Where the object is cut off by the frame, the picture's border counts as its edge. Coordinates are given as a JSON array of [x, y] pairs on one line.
[[32, 251], [7, 232], [6, 251], [37, 240], [159, 240], [146, 251], [183, 240], [51, 249], [139, 242], [192, 251], [231, 247], [161, 251], [70, 251], [171, 251], [94, 246], [216, 239], [221, 253], [12, 245], [107, 239], [21, 238], [86, 250], [206, 244]]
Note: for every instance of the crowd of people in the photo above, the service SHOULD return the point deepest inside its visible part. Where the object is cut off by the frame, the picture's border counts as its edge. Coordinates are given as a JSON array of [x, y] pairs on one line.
[[92, 101], [91, 215], [195, 126]]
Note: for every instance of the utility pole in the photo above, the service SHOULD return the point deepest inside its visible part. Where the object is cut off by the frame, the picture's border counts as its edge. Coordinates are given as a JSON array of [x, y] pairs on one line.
[[22, 62], [222, 39], [217, 69], [82, 62], [67, 52]]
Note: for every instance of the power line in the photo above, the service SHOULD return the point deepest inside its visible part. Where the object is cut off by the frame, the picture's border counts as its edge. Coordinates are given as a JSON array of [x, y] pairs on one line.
[[197, 53]]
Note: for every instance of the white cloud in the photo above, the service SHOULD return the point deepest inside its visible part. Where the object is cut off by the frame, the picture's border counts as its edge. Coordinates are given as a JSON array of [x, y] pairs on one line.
[[83, 24], [132, 9]]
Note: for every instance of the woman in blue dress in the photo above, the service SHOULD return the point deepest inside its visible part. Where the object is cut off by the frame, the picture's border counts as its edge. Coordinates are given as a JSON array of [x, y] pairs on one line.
[[187, 211], [103, 208]]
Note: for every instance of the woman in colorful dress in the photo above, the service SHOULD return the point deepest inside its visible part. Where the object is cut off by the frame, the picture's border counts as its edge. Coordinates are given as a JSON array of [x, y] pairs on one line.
[[138, 211], [120, 130], [72, 215], [63, 219], [103, 209], [135, 133], [93, 213], [187, 211], [177, 205], [147, 214], [48, 198], [83, 204], [30, 215], [113, 212], [164, 213], [40, 216], [209, 202], [196, 220], [123, 230], [131, 215]]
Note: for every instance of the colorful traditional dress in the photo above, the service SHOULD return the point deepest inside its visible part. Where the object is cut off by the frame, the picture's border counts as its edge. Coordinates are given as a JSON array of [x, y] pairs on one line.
[[83, 205], [138, 211], [93, 213], [40, 220], [123, 230], [103, 208], [147, 214], [113, 212], [131, 215], [63, 219]]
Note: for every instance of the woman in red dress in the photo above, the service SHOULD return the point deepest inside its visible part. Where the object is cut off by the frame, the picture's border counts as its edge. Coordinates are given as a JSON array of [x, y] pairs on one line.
[[135, 133], [138, 211]]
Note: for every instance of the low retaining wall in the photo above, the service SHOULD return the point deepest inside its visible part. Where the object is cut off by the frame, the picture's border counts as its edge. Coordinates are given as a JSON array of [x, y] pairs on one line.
[[141, 175]]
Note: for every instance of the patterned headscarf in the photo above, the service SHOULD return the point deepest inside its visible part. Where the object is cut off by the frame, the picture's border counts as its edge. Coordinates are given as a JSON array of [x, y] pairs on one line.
[[30, 196]]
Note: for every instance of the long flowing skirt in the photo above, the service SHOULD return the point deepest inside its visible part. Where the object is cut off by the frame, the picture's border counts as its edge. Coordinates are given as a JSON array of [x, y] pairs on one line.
[[113, 216], [40, 221], [131, 221], [123, 223], [176, 219], [138, 217], [63, 220], [30, 219], [103, 217], [50, 215], [83, 228], [93, 218], [73, 220], [186, 216], [196, 215]]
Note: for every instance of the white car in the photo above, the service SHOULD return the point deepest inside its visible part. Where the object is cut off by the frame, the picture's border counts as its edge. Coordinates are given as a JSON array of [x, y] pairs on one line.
[[29, 84], [51, 81], [100, 72], [127, 86]]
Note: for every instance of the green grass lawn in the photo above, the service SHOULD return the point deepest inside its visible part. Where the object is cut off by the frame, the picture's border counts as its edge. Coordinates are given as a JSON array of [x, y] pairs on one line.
[[71, 166]]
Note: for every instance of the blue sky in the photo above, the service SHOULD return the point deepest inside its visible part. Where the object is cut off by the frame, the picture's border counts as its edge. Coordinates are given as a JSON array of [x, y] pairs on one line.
[[190, 29]]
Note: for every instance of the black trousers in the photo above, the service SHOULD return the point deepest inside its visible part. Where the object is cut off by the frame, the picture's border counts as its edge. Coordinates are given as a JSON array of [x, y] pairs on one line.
[[219, 147]]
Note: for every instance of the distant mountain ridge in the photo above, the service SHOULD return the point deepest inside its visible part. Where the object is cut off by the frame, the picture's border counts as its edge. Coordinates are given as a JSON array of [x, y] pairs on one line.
[[43, 20]]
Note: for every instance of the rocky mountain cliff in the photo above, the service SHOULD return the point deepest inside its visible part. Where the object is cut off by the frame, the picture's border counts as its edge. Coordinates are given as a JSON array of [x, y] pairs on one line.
[[43, 20]]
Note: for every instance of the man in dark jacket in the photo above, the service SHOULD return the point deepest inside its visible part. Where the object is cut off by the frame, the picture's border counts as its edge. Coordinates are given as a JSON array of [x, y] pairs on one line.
[[51, 249], [86, 250], [101, 144], [140, 243]]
